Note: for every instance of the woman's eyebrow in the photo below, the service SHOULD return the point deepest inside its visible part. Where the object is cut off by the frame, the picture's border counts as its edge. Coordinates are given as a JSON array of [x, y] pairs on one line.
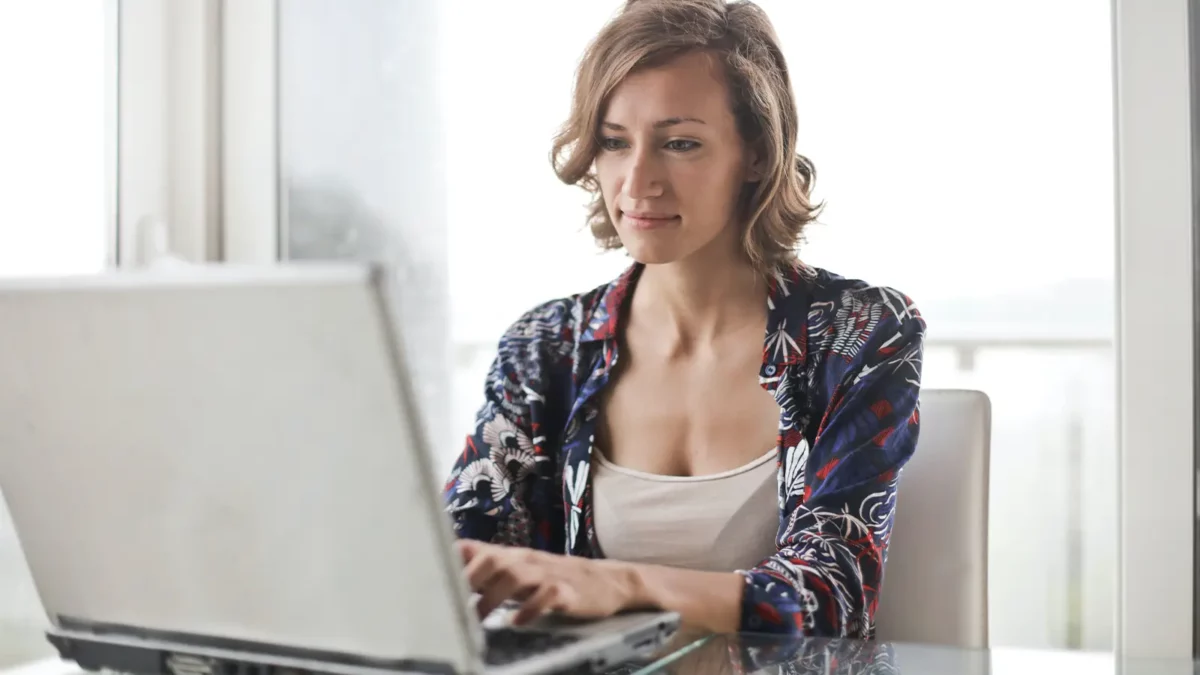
[[661, 124]]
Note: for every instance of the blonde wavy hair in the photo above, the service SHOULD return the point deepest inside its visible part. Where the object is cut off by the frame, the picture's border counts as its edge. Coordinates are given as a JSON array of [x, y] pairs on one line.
[[775, 210]]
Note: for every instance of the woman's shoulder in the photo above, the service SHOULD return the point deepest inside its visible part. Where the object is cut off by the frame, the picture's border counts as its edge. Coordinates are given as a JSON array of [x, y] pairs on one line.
[[551, 331], [842, 310], [828, 286]]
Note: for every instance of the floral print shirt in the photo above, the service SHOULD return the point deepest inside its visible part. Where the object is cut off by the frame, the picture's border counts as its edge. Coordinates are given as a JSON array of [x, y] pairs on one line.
[[843, 361]]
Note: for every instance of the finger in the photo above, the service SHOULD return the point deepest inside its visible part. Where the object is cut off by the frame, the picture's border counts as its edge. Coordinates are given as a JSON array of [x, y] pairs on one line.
[[506, 583], [468, 549], [483, 566], [546, 599]]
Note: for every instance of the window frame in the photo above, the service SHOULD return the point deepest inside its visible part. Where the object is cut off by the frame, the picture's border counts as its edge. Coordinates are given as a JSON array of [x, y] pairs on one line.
[[253, 209], [1155, 348], [168, 129]]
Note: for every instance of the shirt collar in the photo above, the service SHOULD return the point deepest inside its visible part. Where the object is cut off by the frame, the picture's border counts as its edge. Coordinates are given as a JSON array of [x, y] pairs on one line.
[[786, 338]]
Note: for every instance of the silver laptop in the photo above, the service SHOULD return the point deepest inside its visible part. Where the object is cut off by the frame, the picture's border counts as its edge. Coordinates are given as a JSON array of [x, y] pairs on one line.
[[211, 468]]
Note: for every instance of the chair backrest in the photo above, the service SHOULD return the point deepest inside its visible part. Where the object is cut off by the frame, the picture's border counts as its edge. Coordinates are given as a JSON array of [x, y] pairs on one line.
[[935, 583]]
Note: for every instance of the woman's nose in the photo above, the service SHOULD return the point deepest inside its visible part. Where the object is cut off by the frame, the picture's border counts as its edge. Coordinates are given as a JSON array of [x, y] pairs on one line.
[[643, 179]]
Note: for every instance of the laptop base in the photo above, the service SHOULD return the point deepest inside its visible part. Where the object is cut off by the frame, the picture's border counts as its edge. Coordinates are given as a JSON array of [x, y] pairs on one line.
[[123, 649], [152, 655]]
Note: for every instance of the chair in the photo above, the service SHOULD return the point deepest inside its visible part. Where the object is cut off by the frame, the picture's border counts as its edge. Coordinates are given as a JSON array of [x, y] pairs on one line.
[[935, 583]]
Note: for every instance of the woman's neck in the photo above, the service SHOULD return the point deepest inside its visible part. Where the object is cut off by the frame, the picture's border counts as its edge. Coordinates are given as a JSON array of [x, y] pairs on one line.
[[691, 303]]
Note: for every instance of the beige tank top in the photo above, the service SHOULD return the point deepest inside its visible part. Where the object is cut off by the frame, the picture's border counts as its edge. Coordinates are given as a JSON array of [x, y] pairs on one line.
[[717, 523]]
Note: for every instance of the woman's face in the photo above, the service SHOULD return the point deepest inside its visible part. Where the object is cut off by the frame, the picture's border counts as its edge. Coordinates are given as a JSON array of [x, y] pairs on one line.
[[671, 163]]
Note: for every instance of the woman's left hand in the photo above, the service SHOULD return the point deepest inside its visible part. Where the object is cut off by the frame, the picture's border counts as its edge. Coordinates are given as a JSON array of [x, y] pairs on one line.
[[547, 582]]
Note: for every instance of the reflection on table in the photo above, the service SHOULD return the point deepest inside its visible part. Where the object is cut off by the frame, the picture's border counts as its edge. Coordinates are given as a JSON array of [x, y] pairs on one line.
[[694, 654]]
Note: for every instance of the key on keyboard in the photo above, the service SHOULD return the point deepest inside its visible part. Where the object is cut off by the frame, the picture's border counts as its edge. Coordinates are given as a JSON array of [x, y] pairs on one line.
[[505, 645]]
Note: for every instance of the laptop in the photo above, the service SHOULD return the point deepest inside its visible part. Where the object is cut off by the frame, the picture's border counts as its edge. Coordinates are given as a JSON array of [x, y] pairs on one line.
[[219, 468]]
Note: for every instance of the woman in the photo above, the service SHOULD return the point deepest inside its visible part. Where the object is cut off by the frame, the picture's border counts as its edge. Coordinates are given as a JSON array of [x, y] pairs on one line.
[[678, 454]]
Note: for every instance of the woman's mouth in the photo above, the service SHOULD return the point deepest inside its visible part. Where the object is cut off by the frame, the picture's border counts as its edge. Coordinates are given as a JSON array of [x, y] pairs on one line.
[[648, 221]]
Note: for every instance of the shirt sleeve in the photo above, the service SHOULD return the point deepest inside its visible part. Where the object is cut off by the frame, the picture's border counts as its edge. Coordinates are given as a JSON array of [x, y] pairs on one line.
[[501, 487], [826, 576]]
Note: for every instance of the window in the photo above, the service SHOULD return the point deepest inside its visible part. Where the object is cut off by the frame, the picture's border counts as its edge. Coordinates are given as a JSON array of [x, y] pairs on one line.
[[360, 166], [54, 202]]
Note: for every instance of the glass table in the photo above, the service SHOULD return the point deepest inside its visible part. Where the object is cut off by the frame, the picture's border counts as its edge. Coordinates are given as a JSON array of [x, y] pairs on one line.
[[760, 655], [753, 655]]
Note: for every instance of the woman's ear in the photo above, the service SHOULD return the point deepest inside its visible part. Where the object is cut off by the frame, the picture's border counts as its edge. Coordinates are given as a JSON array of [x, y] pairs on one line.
[[756, 165]]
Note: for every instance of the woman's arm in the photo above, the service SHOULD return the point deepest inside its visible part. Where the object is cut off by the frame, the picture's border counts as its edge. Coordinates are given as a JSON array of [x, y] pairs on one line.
[[710, 601], [502, 488], [587, 588], [841, 497]]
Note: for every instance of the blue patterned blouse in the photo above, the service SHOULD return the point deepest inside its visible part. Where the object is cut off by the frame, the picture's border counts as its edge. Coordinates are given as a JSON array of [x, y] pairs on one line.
[[843, 361]]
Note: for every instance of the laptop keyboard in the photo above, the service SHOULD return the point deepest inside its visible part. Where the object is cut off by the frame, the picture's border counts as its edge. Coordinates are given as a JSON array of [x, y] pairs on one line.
[[505, 645]]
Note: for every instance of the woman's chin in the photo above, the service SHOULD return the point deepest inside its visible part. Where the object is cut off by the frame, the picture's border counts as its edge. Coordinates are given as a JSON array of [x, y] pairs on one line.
[[652, 255], [651, 248]]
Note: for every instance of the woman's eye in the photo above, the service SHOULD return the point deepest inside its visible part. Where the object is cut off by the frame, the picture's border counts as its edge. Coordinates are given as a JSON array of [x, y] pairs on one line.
[[680, 145], [610, 143]]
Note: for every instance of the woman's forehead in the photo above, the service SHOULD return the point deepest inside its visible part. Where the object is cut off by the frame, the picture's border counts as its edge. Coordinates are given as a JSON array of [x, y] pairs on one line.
[[689, 87]]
